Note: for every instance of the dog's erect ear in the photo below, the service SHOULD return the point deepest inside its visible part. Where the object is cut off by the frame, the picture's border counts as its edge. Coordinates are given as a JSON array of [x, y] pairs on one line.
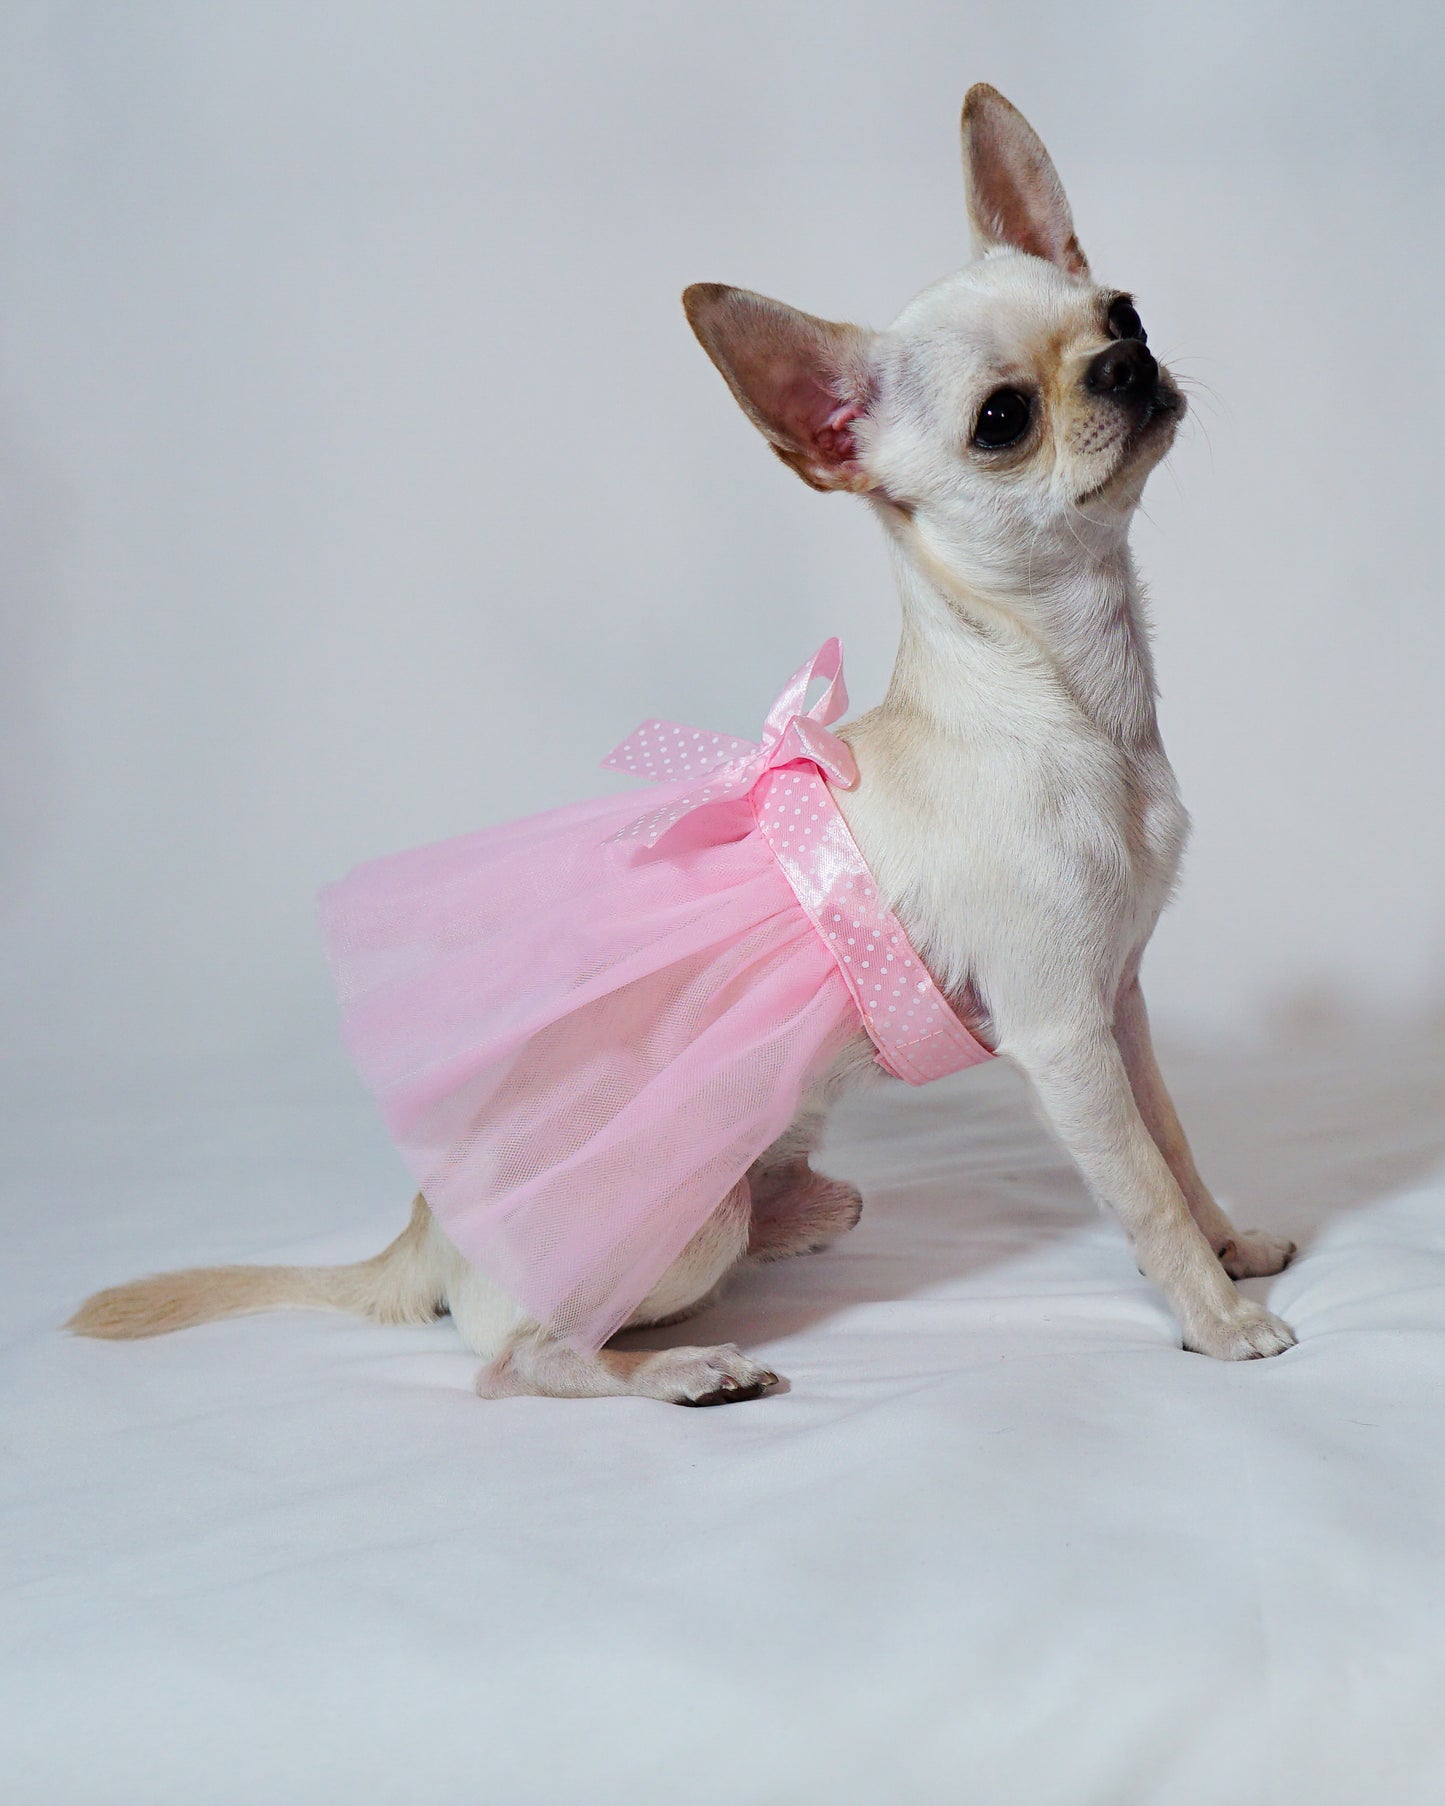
[[1015, 196], [802, 382]]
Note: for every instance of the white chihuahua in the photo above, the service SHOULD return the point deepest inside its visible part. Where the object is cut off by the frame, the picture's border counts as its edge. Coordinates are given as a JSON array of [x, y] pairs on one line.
[[1015, 804]]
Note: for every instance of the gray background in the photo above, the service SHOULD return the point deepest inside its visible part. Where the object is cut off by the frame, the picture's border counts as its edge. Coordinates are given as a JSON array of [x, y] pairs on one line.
[[362, 482]]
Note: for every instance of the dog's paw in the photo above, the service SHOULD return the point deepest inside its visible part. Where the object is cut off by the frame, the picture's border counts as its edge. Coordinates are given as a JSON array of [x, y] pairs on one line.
[[802, 1218], [1251, 1254], [703, 1376], [835, 1208], [1246, 1334]]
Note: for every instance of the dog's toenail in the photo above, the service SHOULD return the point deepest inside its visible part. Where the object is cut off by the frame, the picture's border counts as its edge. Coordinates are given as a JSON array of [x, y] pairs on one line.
[[768, 1379], [729, 1384]]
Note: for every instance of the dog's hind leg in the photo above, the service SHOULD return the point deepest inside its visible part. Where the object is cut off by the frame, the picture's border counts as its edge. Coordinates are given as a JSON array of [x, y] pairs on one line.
[[535, 1364], [798, 1211], [795, 1209], [530, 1361]]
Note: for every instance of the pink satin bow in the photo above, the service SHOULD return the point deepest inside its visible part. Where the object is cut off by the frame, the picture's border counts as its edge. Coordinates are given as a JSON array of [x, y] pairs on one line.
[[665, 752]]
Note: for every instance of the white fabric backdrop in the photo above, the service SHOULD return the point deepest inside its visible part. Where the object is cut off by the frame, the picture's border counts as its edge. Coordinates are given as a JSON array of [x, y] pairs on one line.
[[1002, 1541], [365, 483], [362, 484]]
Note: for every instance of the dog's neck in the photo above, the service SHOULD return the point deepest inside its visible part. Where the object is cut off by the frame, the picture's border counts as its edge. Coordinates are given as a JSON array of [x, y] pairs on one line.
[[1076, 620]]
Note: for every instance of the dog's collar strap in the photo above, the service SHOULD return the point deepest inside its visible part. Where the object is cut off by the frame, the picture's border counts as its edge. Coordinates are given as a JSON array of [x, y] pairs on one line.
[[917, 1034]]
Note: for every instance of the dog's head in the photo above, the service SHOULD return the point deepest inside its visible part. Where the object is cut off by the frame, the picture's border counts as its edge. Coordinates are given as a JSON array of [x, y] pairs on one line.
[[1004, 408]]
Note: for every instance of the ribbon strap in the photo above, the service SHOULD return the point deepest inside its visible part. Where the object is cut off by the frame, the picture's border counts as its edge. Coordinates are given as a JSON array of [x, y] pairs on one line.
[[917, 1033]]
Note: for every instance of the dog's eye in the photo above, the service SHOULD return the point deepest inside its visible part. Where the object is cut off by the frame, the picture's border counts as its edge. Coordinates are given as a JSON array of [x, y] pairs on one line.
[[1003, 419], [1124, 321]]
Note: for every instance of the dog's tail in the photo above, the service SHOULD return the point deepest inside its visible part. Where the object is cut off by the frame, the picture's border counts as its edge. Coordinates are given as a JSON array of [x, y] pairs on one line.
[[405, 1283]]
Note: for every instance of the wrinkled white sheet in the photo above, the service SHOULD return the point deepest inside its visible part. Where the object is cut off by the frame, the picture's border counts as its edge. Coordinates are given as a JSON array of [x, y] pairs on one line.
[[1002, 1542]]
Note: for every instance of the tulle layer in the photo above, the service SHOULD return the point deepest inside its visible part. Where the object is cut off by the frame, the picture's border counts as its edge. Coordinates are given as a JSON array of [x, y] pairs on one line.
[[580, 1046]]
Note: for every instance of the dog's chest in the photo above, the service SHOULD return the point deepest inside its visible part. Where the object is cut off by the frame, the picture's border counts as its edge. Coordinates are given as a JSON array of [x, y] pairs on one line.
[[1154, 828], [990, 844]]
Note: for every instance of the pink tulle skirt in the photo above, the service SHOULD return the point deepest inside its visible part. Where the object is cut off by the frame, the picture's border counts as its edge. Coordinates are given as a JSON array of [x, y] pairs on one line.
[[579, 1050]]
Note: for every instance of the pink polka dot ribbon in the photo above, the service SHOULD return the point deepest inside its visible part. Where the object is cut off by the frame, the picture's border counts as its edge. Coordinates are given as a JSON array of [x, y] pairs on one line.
[[665, 752], [917, 1034]]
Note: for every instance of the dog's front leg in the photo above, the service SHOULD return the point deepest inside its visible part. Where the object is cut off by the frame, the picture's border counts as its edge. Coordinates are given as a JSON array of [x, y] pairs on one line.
[[1083, 1088], [1244, 1253]]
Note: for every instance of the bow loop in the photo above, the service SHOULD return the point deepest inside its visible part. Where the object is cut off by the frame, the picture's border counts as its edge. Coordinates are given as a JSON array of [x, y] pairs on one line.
[[664, 752], [806, 738], [826, 662]]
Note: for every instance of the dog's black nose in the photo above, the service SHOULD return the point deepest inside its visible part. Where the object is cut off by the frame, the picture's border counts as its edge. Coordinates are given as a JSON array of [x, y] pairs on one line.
[[1126, 368]]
